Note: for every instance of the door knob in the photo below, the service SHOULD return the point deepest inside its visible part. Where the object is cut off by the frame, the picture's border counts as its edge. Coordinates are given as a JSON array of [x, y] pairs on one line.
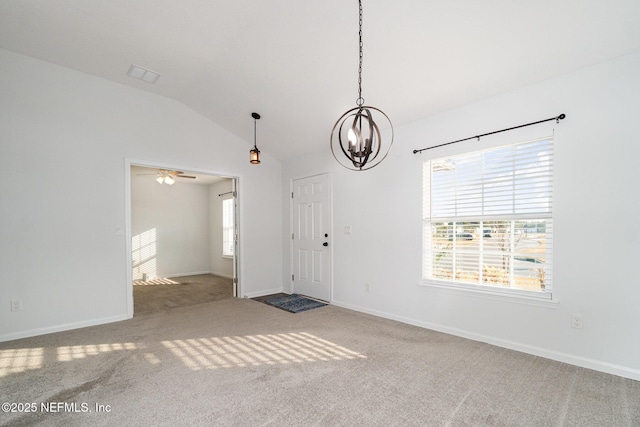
[[325, 244]]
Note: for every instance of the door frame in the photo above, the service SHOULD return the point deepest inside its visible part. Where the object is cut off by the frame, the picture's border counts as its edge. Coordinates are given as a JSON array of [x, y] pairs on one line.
[[237, 187], [291, 231]]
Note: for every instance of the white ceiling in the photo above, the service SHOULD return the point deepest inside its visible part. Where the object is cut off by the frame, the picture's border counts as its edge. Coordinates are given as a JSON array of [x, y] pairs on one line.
[[295, 62]]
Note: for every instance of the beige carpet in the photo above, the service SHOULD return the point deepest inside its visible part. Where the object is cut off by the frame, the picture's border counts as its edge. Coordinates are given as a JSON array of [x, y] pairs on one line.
[[164, 294], [239, 362]]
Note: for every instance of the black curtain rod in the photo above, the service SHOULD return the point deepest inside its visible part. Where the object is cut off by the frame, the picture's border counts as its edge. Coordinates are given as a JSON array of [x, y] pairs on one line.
[[557, 119], [228, 192]]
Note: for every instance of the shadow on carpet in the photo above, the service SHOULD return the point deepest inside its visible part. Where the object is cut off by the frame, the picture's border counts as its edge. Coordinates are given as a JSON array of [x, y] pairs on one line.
[[294, 303]]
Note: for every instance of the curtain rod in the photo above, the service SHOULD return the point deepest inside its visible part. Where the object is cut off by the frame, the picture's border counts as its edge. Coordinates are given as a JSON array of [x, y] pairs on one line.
[[557, 119], [228, 192]]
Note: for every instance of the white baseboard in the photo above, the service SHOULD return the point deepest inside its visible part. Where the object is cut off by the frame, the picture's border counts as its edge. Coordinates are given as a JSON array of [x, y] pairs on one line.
[[193, 273], [226, 276], [583, 362], [262, 293], [62, 327]]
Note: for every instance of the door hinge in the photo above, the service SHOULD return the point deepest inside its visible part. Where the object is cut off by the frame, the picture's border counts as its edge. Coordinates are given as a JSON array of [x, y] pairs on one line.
[[292, 277], [292, 236], [292, 194], [235, 280]]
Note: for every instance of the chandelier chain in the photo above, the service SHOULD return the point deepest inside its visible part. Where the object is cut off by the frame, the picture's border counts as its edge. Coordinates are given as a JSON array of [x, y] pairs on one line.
[[360, 100]]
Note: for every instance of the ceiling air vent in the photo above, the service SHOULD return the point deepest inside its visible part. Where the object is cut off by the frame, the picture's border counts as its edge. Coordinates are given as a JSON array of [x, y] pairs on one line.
[[143, 74]]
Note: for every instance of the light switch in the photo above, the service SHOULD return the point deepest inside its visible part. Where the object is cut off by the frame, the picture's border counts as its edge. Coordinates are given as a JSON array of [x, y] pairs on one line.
[[347, 229]]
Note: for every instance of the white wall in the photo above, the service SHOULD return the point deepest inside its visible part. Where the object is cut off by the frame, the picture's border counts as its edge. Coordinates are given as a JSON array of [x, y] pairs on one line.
[[65, 138], [219, 265], [171, 223], [597, 206]]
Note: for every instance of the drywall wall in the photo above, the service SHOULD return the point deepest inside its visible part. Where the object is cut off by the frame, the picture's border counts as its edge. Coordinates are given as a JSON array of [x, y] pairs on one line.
[[169, 227], [597, 241], [65, 140], [222, 266]]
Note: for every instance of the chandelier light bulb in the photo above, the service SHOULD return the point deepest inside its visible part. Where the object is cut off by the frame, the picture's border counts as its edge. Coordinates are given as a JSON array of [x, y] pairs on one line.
[[352, 137]]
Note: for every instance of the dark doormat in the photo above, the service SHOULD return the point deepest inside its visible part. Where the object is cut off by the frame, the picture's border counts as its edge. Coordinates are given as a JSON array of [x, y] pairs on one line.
[[294, 303]]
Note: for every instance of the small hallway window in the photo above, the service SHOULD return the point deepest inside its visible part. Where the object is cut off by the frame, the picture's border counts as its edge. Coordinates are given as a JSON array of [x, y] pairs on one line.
[[228, 241]]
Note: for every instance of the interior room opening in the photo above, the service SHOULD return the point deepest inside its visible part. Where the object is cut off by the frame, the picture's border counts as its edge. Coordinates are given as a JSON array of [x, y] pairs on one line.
[[183, 237]]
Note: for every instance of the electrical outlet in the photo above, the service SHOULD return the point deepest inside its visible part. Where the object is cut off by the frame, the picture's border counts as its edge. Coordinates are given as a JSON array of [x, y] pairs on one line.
[[367, 287], [16, 305], [576, 321]]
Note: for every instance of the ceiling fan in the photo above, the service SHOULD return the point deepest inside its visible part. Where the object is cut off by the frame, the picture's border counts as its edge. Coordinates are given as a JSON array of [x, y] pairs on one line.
[[166, 176]]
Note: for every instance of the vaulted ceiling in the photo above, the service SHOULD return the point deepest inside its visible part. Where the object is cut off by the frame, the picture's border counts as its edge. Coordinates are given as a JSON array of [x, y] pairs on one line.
[[295, 62]]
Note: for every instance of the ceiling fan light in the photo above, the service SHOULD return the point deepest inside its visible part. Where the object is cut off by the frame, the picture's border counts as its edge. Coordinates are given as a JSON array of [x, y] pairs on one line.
[[160, 179], [169, 180]]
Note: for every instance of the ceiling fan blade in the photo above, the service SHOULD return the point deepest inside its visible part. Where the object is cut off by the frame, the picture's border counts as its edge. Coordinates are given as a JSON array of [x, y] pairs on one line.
[[167, 172]]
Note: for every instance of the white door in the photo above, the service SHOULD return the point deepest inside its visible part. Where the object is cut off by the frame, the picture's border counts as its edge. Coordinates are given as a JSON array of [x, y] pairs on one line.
[[311, 238]]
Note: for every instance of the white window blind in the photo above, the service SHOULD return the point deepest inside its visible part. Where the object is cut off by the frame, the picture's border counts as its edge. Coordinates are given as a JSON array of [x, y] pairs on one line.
[[228, 241], [488, 217]]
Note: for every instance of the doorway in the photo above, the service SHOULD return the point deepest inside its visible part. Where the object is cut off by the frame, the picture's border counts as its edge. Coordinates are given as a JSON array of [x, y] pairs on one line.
[[182, 237], [311, 237]]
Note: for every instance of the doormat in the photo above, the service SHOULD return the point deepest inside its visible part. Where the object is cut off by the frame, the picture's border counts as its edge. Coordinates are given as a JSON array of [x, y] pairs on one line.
[[294, 303]]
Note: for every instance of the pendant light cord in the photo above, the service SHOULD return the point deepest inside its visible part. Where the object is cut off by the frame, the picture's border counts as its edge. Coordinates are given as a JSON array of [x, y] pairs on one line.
[[255, 153], [360, 100], [256, 117]]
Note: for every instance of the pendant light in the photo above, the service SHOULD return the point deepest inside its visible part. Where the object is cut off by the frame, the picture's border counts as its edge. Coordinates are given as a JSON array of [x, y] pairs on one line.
[[356, 133], [254, 153]]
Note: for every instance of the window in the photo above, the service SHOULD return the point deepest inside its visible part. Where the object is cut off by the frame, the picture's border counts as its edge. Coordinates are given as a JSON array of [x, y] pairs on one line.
[[488, 219], [228, 241]]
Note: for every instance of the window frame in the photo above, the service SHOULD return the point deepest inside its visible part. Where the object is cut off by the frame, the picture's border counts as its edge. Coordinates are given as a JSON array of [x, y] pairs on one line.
[[543, 296]]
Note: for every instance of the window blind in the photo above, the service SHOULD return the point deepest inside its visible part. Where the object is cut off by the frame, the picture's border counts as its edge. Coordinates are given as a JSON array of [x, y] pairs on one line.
[[488, 217]]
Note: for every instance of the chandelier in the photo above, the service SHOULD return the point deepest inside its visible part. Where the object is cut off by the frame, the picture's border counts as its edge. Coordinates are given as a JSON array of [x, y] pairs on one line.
[[356, 135]]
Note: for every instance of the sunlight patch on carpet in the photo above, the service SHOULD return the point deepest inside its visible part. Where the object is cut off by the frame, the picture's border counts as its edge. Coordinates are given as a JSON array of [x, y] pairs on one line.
[[68, 353], [18, 360], [256, 350], [156, 281]]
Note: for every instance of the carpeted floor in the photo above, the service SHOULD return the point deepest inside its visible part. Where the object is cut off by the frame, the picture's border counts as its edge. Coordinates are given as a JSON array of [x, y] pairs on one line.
[[164, 294], [238, 362]]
